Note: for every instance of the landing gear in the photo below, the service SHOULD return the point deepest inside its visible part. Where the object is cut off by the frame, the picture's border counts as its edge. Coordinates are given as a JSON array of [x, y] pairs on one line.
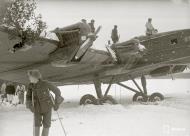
[[88, 99], [101, 99], [156, 97], [104, 98], [108, 99], [140, 97], [141, 94]]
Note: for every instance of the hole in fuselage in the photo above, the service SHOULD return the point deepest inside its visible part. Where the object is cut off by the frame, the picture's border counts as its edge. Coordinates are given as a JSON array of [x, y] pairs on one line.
[[174, 41]]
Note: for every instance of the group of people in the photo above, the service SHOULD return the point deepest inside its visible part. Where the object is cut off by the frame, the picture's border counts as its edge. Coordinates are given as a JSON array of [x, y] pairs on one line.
[[9, 91], [90, 24], [114, 34], [150, 30], [89, 27]]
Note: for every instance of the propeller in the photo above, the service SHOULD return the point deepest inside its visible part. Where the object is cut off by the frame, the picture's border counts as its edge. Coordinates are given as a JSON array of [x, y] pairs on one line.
[[87, 44]]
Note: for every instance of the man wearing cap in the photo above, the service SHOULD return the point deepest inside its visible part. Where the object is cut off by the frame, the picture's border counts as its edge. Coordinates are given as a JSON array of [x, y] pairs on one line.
[[39, 100], [91, 24], [114, 34], [150, 30]]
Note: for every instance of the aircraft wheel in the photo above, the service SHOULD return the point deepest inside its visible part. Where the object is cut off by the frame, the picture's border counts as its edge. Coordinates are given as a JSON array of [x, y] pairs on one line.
[[109, 99], [88, 99], [140, 97], [156, 97]]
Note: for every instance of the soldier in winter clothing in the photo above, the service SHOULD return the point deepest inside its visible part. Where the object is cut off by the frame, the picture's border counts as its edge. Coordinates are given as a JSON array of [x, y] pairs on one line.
[[20, 92], [10, 91], [39, 101], [91, 24], [3, 88], [114, 34], [3, 92], [150, 30]]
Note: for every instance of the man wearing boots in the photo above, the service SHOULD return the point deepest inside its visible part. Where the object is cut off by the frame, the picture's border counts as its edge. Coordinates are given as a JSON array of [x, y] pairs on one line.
[[40, 102]]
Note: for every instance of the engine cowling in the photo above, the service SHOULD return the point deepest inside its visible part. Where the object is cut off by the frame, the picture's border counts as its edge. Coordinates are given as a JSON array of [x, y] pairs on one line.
[[70, 40]]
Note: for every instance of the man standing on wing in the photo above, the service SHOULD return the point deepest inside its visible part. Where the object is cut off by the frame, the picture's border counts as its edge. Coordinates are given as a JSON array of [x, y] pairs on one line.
[[114, 34], [150, 30]]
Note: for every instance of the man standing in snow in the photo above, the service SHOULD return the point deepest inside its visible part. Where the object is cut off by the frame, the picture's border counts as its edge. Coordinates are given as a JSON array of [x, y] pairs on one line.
[[3, 92], [40, 102], [20, 92], [10, 91]]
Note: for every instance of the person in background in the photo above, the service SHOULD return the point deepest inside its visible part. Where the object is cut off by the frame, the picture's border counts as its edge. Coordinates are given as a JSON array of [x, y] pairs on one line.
[[150, 30], [40, 102], [20, 92], [85, 30], [3, 92], [10, 91], [3, 87], [91, 24], [114, 34], [83, 21]]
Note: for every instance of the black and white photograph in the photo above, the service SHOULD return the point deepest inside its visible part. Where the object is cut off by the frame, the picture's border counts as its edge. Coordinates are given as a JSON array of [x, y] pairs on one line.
[[94, 67]]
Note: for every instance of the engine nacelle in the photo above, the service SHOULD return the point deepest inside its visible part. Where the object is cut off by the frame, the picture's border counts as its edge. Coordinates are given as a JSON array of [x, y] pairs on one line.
[[70, 40]]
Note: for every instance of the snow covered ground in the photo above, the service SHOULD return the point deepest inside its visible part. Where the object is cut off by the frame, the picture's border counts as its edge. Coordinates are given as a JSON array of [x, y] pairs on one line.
[[169, 118]]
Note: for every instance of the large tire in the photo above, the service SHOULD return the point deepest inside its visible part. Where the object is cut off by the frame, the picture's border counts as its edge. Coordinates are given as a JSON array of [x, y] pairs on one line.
[[88, 99], [156, 97], [140, 97], [109, 99]]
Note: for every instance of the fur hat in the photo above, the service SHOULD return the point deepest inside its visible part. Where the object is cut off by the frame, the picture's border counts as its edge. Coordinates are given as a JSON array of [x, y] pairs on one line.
[[35, 73]]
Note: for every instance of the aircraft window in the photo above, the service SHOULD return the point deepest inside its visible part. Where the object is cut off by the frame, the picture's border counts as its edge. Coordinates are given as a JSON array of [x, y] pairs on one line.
[[187, 39], [174, 41]]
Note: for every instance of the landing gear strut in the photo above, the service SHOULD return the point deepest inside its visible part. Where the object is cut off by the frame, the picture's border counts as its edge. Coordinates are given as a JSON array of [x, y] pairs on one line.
[[141, 94], [101, 99]]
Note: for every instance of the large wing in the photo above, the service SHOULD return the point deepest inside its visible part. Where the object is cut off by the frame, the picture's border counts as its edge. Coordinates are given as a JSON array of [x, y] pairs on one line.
[[41, 55], [94, 63], [14, 66], [38, 53], [82, 73], [120, 73]]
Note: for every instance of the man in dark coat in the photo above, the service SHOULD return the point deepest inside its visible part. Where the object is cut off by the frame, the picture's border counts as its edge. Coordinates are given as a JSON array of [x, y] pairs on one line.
[[10, 91], [39, 101], [114, 34], [91, 24]]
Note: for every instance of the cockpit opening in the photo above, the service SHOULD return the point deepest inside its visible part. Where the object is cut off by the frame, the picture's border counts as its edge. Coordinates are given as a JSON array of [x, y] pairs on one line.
[[174, 41], [187, 39]]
